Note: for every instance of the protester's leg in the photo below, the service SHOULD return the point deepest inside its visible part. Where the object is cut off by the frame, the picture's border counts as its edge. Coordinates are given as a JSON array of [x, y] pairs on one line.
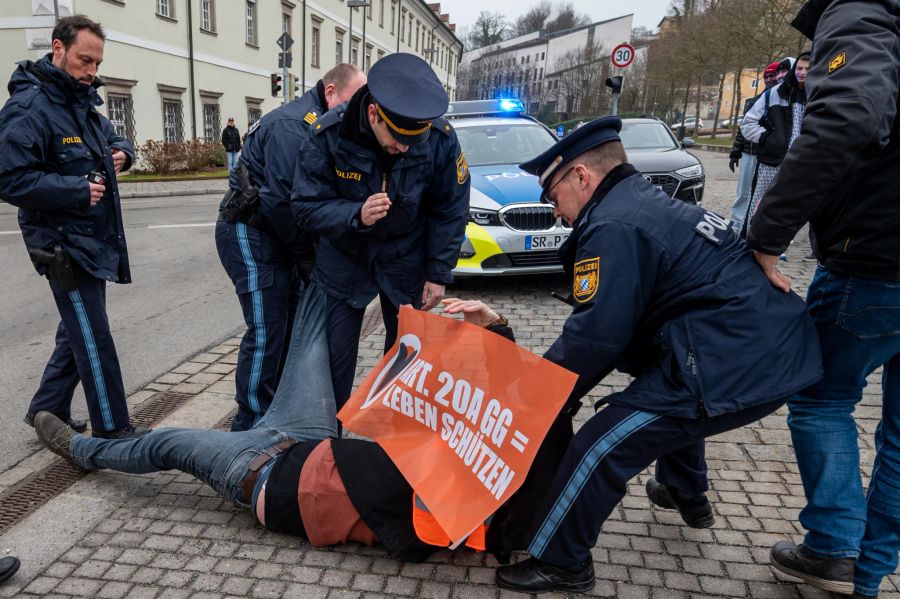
[[217, 458], [881, 542], [344, 322], [83, 312], [744, 188], [304, 406], [59, 380], [263, 285], [852, 332]]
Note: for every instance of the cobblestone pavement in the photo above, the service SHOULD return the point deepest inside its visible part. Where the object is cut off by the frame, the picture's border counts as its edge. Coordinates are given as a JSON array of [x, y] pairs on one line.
[[166, 535]]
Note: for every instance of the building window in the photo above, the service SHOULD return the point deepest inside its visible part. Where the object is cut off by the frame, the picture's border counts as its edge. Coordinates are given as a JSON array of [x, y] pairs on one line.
[[381, 13], [316, 35], [393, 16], [251, 22], [417, 37], [409, 31], [254, 112], [120, 108], [380, 54], [369, 10], [286, 14], [368, 58], [403, 27], [173, 123], [339, 47], [354, 52], [211, 123], [754, 84], [208, 15], [165, 8]]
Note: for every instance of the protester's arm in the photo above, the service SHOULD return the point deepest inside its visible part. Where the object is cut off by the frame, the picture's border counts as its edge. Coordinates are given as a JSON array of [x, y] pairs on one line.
[[317, 206], [849, 116], [479, 314], [751, 126], [24, 179]]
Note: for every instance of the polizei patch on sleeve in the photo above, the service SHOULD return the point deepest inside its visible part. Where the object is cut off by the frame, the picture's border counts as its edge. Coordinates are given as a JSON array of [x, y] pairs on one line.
[[713, 227], [587, 279]]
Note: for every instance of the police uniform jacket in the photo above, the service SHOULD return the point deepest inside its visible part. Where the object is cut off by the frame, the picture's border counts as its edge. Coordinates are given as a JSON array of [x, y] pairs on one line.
[[418, 240], [52, 137], [270, 151], [668, 293]]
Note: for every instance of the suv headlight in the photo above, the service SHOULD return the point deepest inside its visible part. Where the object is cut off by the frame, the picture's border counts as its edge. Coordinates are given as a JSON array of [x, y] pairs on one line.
[[483, 216], [690, 172]]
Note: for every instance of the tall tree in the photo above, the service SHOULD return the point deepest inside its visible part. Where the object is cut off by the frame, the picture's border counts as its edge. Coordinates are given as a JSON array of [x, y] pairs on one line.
[[567, 18], [490, 28], [534, 20]]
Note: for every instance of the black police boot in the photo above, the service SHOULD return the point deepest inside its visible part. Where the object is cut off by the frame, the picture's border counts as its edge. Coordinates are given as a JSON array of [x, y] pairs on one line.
[[56, 435], [9, 565], [76, 423], [535, 576], [696, 512], [129, 431], [828, 573]]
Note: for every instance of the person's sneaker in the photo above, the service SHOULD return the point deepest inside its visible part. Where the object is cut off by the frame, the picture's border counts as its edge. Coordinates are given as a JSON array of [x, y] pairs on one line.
[[76, 423], [697, 514], [534, 576], [56, 435], [827, 573], [129, 431]]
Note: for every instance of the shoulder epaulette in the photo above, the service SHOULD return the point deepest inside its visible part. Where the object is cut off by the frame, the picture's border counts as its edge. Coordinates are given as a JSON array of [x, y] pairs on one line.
[[442, 125], [310, 117], [254, 127], [329, 119]]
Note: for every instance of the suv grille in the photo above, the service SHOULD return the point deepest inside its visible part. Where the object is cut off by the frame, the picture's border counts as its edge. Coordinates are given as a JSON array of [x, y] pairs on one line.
[[522, 259], [667, 183], [528, 218]]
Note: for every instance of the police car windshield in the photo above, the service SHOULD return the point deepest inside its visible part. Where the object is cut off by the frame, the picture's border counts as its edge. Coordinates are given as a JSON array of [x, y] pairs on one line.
[[503, 144], [646, 136]]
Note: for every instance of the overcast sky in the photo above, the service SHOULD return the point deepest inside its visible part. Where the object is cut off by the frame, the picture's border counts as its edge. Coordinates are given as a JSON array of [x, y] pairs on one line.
[[646, 12]]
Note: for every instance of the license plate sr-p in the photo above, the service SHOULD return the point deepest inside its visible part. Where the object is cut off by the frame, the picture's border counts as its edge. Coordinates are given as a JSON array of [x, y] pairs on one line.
[[544, 242]]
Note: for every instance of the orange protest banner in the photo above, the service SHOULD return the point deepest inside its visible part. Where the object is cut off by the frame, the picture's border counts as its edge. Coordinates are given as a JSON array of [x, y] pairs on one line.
[[461, 411]]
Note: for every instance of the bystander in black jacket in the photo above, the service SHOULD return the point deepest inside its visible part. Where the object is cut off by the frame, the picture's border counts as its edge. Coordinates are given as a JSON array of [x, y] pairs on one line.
[[231, 139], [850, 193], [771, 118]]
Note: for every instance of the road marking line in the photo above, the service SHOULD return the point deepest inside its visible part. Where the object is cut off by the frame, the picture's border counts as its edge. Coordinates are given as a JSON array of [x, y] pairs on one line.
[[10, 232], [181, 226]]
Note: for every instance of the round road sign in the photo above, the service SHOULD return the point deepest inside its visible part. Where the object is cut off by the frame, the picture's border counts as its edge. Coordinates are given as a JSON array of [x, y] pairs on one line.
[[622, 55]]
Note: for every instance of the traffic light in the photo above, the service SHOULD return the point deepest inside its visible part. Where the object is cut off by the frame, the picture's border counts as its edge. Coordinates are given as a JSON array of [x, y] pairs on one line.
[[292, 86], [614, 84], [275, 79]]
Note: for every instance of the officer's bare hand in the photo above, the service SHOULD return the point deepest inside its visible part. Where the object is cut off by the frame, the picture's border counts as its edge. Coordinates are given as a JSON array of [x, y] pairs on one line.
[[119, 157], [97, 192], [474, 311], [769, 265], [374, 209], [432, 294]]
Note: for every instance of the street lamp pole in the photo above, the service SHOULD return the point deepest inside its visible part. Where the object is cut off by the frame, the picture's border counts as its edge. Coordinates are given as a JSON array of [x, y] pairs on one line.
[[351, 4], [350, 40]]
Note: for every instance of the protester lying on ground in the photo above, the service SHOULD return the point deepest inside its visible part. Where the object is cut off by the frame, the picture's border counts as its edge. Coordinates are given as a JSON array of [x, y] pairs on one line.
[[289, 468]]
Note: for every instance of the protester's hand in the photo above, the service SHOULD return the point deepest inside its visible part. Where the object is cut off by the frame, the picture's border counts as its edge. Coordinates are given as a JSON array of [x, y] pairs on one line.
[[432, 294], [474, 311], [769, 265], [97, 192], [119, 157], [732, 163], [374, 209]]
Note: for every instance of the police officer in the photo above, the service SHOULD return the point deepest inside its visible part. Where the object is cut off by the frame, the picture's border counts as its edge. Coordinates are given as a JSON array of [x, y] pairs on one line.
[[385, 186], [668, 293], [59, 163], [260, 246]]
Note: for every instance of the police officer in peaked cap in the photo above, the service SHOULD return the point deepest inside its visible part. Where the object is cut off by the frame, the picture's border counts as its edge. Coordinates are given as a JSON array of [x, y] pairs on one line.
[[668, 293], [385, 187], [264, 253]]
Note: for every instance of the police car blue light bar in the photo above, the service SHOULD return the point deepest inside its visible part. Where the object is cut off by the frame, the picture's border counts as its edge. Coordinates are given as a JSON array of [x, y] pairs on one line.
[[498, 107]]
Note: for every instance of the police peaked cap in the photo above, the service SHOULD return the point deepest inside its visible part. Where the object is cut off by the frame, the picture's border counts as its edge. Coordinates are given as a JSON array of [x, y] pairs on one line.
[[407, 96], [593, 134]]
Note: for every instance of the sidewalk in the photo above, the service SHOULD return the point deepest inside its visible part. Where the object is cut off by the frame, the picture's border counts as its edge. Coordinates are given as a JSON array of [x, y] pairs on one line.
[[166, 535], [157, 189]]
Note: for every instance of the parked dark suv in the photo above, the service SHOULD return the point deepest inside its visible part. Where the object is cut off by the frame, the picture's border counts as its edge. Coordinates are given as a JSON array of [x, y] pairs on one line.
[[655, 152]]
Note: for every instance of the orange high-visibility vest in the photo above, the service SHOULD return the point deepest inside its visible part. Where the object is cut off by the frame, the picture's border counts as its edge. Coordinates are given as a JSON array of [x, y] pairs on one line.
[[429, 531]]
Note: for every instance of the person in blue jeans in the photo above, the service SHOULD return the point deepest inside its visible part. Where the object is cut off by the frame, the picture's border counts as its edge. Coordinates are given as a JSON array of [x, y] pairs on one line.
[[840, 175]]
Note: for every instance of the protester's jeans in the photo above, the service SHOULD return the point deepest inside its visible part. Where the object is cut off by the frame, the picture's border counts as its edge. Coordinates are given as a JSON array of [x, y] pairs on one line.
[[232, 160], [303, 409], [744, 187], [859, 327]]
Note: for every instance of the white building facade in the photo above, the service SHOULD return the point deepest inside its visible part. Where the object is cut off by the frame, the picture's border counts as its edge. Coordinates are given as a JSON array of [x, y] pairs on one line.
[[522, 67], [177, 69]]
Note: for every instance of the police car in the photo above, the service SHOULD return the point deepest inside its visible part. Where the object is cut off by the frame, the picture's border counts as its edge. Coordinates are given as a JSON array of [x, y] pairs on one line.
[[509, 230]]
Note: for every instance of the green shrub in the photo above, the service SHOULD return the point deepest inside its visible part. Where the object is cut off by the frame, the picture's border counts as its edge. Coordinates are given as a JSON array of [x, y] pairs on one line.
[[163, 158]]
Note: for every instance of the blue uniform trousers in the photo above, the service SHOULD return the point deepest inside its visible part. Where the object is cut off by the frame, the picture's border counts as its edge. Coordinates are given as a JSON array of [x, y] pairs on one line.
[[84, 352], [268, 291], [610, 449], [344, 324]]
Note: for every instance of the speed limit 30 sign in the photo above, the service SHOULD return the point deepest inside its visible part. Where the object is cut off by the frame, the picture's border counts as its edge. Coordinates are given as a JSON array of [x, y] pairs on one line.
[[622, 55]]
